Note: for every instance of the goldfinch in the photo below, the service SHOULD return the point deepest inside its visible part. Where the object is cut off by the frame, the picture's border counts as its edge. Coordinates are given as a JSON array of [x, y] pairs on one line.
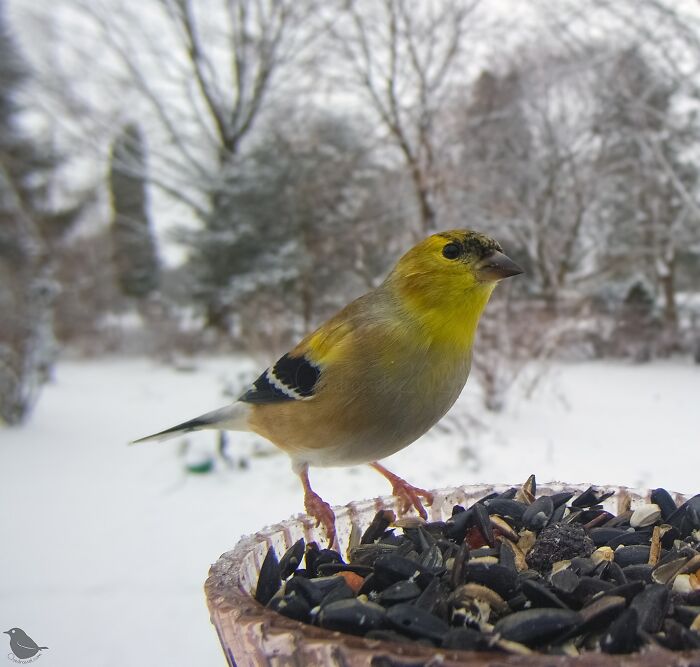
[[378, 374]]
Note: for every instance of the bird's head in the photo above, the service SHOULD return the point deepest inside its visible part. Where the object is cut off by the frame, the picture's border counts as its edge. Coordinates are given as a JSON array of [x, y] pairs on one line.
[[455, 262], [11, 631], [448, 277]]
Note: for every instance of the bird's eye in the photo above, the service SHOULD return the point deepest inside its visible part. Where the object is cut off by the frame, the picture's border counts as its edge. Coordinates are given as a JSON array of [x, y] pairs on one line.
[[451, 251]]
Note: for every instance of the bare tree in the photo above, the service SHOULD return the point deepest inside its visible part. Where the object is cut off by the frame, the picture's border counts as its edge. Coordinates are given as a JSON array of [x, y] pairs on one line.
[[404, 60], [196, 77]]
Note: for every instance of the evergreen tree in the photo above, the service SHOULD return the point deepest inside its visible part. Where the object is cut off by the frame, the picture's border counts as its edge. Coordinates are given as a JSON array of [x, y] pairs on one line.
[[283, 231], [135, 256]]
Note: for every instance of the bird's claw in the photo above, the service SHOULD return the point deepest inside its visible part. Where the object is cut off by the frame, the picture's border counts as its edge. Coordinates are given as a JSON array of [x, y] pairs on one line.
[[320, 510], [409, 496]]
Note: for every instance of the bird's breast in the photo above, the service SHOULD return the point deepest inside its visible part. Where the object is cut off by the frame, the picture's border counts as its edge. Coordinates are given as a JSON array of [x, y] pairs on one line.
[[367, 412]]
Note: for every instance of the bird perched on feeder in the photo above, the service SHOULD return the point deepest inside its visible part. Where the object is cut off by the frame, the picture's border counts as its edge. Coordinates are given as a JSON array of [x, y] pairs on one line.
[[378, 374]]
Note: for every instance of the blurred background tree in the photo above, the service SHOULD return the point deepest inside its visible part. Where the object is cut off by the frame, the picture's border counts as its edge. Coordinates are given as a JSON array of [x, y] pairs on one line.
[[258, 164], [33, 222], [135, 257]]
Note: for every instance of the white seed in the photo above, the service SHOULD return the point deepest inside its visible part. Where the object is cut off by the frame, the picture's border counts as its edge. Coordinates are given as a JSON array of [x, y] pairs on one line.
[[645, 515], [681, 584]]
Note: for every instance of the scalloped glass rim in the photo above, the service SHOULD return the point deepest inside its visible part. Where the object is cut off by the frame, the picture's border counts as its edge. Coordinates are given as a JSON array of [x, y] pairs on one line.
[[255, 636]]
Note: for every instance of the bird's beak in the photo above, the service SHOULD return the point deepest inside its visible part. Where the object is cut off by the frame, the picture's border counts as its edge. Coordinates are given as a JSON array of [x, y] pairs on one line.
[[496, 267], [6, 632]]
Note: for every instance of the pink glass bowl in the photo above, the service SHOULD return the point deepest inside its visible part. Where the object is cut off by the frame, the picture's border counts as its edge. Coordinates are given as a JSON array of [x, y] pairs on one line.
[[252, 636]]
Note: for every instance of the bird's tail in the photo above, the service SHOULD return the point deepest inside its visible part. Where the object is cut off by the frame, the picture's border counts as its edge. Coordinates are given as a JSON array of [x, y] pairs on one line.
[[233, 417]]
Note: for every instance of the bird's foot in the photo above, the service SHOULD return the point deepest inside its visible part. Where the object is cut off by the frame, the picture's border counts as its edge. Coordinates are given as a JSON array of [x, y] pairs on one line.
[[320, 510], [410, 496], [407, 494]]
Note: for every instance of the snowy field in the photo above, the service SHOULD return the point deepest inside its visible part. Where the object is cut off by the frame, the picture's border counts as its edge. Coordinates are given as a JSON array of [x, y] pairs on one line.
[[105, 547]]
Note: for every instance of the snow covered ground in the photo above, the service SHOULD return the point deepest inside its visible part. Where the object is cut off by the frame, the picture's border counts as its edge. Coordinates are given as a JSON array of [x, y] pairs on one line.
[[105, 547]]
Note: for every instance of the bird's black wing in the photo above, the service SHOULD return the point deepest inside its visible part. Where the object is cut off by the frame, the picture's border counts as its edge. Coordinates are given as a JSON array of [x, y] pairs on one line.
[[290, 379]]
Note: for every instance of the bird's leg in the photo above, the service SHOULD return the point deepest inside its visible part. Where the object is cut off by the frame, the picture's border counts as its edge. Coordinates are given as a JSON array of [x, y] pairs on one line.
[[316, 506], [407, 494]]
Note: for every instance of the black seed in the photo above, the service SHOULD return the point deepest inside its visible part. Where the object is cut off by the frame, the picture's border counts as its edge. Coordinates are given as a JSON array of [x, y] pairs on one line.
[[591, 496], [677, 638], [459, 567], [583, 566], [629, 539], [501, 579], [670, 537], [382, 520], [401, 591], [536, 625], [432, 596], [601, 536], [352, 616], [506, 508], [663, 499], [340, 592], [622, 634], [621, 520], [686, 614], [456, 526], [506, 556], [637, 554], [305, 588], [310, 555], [651, 606], [432, 559], [692, 598], [420, 538], [687, 517], [540, 595], [292, 606], [614, 574], [627, 591], [317, 589], [397, 568], [487, 497], [269, 579], [519, 602], [366, 554], [590, 586], [537, 515], [483, 523], [565, 581], [601, 612], [292, 558], [557, 514], [638, 573], [372, 583], [416, 622], [508, 494], [559, 499]]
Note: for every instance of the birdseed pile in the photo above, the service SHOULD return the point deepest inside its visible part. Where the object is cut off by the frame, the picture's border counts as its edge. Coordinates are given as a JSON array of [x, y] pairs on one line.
[[513, 573]]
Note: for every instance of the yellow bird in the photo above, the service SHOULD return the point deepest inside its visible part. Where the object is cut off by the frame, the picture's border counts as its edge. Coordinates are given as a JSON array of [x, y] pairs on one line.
[[378, 374]]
